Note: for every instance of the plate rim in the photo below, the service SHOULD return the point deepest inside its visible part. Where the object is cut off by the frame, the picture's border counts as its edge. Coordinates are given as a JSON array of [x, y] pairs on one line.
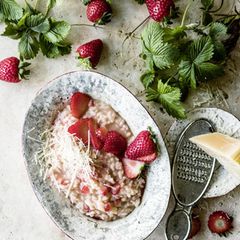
[[36, 193]]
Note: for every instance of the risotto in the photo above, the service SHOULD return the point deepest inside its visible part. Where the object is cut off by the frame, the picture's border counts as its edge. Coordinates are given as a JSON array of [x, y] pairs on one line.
[[93, 180]]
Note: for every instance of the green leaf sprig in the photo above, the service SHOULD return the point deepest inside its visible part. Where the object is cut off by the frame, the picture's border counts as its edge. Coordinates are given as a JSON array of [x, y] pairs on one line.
[[178, 61], [35, 30]]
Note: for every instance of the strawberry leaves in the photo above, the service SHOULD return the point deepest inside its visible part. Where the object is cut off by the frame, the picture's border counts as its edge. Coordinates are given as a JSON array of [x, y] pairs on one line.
[[35, 30], [155, 48], [169, 97], [10, 10]]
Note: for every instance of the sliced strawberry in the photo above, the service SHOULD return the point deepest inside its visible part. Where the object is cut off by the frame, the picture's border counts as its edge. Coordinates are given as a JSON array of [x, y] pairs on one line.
[[107, 207], [102, 133], [79, 104], [220, 222], [80, 130], [142, 148], [95, 141], [148, 159], [115, 143], [104, 190], [115, 189], [84, 189], [132, 168], [196, 226]]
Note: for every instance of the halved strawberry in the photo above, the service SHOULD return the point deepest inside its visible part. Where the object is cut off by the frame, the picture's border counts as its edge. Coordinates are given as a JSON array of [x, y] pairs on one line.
[[115, 143], [79, 104], [132, 168], [143, 148], [95, 141], [149, 158], [80, 129], [102, 133], [220, 222], [196, 226]]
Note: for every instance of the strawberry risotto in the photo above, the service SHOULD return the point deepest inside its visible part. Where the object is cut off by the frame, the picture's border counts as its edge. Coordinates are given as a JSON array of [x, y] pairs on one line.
[[85, 154]]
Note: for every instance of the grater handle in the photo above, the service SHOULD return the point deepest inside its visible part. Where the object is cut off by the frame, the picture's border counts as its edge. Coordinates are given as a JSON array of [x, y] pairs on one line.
[[178, 225]]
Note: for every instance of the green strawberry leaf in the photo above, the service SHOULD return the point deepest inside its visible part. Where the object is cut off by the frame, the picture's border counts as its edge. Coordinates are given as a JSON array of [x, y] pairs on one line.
[[51, 50], [218, 31], [162, 53], [59, 30], [28, 46], [50, 5], [169, 97], [207, 71], [147, 78], [10, 10], [207, 4], [12, 31], [38, 23]]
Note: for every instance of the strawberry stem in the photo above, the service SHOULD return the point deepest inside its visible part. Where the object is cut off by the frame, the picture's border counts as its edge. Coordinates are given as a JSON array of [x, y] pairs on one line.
[[85, 25], [185, 13], [134, 30]]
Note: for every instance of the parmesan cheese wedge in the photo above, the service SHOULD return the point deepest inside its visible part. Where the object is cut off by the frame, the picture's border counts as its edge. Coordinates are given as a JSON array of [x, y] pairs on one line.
[[222, 147]]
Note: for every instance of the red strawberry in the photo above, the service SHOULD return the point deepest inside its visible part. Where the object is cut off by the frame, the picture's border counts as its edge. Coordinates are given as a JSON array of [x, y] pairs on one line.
[[99, 12], [115, 143], [95, 141], [80, 130], [79, 104], [220, 222], [90, 53], [158, 9], [196, 226], [142, 148], [132, 168], [11, 70], [102, 133]]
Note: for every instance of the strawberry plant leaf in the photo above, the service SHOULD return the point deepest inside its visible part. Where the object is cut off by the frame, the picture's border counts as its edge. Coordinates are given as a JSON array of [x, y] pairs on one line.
[[10, 10], [163, 54], [38, 23], [28, 46], [208, 71], [59, 30], [169, 97], [50, 5], [147, 78], [12, 31], [86, 2], [207, 4], [201, 50], [218, 31], [51, 50]]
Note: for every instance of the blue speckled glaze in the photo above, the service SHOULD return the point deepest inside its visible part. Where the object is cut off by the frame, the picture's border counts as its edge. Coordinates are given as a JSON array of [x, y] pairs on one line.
[[144, 219]]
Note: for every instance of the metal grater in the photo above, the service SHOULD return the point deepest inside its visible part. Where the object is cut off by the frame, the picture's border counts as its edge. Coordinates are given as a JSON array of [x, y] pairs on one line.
[[191, 173]]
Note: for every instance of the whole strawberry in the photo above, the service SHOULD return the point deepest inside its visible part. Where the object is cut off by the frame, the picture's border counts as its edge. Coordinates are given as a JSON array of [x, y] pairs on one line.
[[12, 71], [158, 9], [143, 148], [115, 143], [220, 222], [99, 12], [90, 53]]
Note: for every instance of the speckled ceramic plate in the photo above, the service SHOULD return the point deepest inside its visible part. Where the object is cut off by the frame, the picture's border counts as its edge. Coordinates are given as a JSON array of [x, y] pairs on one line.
[[224, 122], [145, 218]]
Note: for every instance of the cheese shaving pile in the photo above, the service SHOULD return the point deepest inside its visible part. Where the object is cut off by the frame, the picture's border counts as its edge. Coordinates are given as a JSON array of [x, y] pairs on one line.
[[62, 151]]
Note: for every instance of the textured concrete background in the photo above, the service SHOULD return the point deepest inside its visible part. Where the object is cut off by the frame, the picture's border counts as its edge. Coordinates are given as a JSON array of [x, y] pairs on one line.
[[21, 216]]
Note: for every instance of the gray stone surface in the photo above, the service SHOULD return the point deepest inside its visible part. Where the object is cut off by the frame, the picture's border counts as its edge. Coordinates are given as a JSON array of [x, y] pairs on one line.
[[21, 216]]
